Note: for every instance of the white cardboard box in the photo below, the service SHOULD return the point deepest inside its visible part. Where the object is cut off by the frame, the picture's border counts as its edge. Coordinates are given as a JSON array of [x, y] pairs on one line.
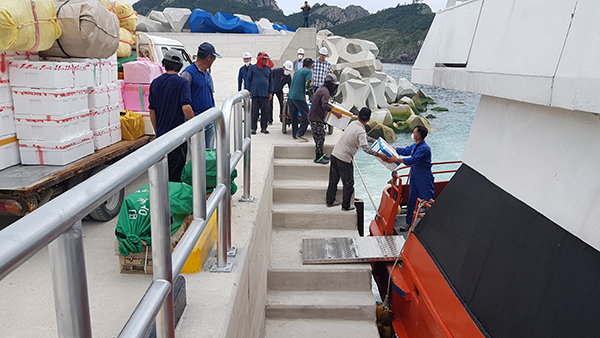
[[104, 117], [341, 122], [107, 136], [41, 74], [52, 127], [98, 96], [56, 153], [84, 70], [7, 118], [49, 101], [5, 92], [381, 146], [9, 151], [148, 129], [114, 93]]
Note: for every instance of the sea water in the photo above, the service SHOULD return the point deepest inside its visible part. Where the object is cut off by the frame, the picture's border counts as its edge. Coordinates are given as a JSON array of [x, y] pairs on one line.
[[449, 133]]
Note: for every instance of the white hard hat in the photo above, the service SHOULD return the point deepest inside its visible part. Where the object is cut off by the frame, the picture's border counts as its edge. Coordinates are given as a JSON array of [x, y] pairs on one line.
[[300, 51], [323, 51], [246, 55], [288, 65]]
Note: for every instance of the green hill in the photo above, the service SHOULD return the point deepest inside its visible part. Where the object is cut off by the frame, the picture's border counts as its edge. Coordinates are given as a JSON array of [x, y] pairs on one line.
[[399, 31]]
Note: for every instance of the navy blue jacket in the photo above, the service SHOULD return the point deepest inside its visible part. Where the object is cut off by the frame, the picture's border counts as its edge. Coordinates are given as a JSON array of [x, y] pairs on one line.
[[243, 76], [259, 81]]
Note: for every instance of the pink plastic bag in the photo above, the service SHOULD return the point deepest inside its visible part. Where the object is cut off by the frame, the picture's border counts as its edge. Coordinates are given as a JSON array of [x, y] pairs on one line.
[[141, 71]]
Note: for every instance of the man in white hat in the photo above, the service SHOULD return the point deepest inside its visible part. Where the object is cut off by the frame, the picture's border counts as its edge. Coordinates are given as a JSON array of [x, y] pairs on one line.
[[298, 62], [279, 78], [243, 73], [320, 69]]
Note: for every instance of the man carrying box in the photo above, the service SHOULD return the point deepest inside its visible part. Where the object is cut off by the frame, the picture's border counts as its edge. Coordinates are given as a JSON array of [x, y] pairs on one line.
[[421, 177], [170, 105], [342, 155]]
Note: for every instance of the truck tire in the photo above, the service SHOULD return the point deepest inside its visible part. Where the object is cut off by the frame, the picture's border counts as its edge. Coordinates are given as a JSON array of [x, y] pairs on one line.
[[109, 208]]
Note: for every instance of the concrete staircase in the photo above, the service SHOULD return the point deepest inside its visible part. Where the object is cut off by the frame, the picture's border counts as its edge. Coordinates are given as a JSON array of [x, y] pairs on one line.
[[333, 300]]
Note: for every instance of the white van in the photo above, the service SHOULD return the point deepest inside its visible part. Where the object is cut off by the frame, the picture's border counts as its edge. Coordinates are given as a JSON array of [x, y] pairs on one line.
[[154, 48]]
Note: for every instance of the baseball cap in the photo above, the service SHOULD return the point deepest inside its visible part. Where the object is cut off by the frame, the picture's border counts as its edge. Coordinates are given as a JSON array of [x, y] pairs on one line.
[[207, 48], [364, 114], [173, 55], [323, 51], [246, 55], [300, 51]]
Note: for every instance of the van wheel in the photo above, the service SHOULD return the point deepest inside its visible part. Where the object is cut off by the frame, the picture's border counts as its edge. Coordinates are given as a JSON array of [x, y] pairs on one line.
[[109, 208]]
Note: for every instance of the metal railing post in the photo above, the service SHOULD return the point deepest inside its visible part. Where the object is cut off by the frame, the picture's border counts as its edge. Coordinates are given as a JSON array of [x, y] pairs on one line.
[[158, 181], [197, 149], [69, 280], [247, 156]]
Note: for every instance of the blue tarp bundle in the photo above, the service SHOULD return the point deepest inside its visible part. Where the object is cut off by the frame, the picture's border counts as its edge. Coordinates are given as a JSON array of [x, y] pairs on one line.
[[278, 27], [202, 21]]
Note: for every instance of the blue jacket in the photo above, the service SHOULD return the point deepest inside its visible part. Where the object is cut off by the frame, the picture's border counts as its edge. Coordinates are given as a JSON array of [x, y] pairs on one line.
[[243, 76], [201, 89], [420, 162], [279, 79], [259, 81]]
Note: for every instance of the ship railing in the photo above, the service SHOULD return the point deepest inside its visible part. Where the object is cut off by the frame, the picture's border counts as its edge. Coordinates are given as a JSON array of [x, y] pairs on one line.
[[441, 178], [57, 224]]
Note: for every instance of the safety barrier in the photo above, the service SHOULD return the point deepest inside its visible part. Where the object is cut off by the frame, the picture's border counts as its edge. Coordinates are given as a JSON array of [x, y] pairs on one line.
[[57, 224]]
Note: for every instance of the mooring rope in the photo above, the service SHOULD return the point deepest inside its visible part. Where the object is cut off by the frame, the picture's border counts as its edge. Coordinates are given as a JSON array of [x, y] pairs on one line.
[[367, 189]]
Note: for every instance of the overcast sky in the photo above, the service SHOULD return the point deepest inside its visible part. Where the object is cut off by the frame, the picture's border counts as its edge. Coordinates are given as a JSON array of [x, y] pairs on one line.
[[291, 6]]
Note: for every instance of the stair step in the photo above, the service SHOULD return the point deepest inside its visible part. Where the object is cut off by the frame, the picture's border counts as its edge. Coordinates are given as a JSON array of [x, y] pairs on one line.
[[312, 216], [299, 169], [309, 192], [299, 150], [348, 305], [319, 328], [287, 273]]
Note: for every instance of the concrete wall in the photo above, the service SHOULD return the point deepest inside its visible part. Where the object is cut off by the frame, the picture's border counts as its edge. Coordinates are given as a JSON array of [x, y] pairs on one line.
[[512, 49], [546, 157]]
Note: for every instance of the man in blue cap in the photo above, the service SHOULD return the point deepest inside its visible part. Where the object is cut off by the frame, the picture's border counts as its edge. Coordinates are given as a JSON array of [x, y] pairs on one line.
[[201, 85]]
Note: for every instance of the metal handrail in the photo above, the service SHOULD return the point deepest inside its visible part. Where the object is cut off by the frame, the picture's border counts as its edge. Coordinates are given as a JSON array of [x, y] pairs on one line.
[[57, 224], [433, 172]]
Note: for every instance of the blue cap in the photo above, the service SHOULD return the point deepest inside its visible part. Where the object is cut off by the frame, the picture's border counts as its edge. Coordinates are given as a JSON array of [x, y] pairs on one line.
[[207, 48]]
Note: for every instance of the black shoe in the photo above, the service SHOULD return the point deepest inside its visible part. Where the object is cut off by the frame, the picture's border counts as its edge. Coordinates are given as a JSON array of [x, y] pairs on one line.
[[332, 204], [350, 208], [264, 131], [327, 157], [321, 161], [404, 228], [253, 132]]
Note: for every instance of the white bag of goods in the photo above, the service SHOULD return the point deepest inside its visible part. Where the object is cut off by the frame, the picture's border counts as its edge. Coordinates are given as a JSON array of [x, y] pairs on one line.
[[28, 25], [9, 151], [126, 39], [124, 11], [381, 146], [56, 152], [49, 101], [89, 30], [52, 128]]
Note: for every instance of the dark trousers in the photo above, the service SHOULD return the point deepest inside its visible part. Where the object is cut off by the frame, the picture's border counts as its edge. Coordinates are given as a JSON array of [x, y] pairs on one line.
[[305, 24], [176, 160], [318, 131], [340, 169], [262, 104], [295, 107], [280, 99]]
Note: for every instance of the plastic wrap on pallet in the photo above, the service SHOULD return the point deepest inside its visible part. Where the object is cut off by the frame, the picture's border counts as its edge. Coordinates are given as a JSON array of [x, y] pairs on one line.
[[135, 96], [141, 71]]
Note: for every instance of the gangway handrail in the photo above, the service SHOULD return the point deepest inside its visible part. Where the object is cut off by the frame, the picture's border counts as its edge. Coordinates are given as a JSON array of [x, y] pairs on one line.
[[57, 224]]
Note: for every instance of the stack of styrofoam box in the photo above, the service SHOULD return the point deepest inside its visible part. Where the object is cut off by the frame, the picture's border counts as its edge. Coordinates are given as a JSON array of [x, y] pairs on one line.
[[51, 114], [137, 76], [9, 147], [99, 77]]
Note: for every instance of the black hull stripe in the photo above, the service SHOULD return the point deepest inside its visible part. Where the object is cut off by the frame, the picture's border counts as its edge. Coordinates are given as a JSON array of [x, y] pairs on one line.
[[518, 273]]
